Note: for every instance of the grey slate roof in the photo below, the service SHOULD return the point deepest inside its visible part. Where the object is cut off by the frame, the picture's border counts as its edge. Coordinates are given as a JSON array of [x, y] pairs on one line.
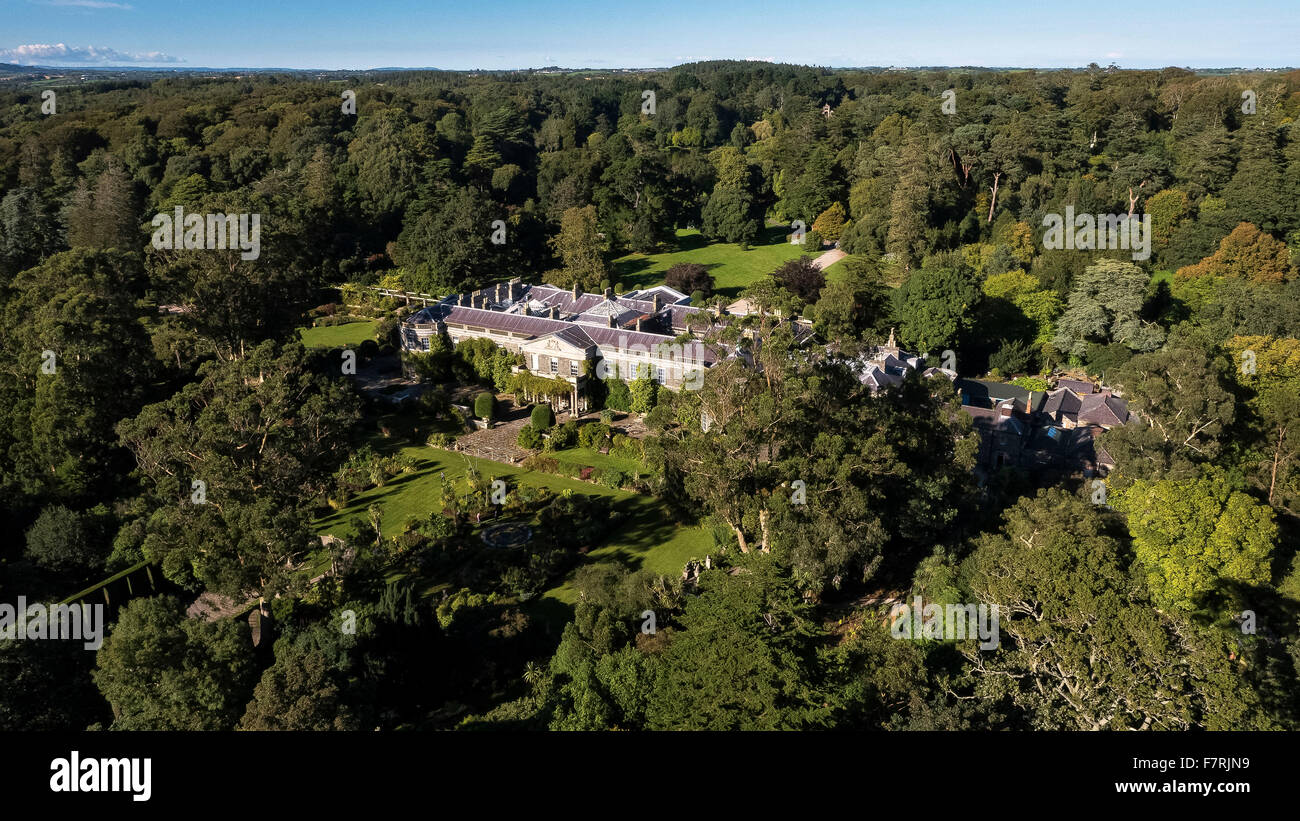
[[984, 393], [493, 320], [1076, 385], [1062, 403], [1103, 409]]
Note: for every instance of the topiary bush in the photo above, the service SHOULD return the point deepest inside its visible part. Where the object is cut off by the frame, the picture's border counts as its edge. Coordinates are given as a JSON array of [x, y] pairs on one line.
[[484, 405], [542, 417]]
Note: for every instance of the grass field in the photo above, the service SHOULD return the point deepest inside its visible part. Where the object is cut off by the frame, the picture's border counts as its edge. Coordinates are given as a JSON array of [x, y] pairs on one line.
[[731, 267], [596, 459], [335, 336], [647, 536]]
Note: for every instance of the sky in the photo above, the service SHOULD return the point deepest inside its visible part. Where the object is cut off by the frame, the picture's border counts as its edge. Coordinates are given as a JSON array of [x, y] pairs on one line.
[[508, 34]]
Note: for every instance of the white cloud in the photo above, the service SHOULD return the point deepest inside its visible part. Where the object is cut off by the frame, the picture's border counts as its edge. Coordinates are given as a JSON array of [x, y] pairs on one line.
[[41, 54], [86, 4]]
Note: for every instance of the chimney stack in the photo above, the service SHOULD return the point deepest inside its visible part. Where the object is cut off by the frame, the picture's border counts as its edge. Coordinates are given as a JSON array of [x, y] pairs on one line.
[[555, 312], [496, 294], [613, 323], [526, 311], [462, 300], [640, 323], [1004, 409], [576, 292], [654, 300], [609, 293]]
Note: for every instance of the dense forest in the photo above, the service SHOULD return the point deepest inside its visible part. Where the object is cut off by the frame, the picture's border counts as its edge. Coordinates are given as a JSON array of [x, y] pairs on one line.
[[131, 375]]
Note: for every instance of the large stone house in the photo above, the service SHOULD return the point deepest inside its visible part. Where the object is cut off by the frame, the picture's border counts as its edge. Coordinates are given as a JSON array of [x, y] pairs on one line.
[[559, 330]]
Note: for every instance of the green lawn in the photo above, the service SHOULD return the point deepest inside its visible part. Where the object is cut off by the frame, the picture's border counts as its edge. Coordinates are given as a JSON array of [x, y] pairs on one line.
[[647, 535], [596, 459], [338, 336], [731, 267]]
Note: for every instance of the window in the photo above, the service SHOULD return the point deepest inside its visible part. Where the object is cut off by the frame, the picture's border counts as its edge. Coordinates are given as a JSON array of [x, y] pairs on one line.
[[573, 368], [659, 375], [535, 362], [555, 365]]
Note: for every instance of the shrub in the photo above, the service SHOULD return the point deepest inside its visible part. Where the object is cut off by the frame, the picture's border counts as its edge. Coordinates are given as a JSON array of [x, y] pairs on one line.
[[441, 440], [1031, 383], [593, 435], [626, 446], [689, 277], [529, 438], [607, 416], [569, 469], [399, 463], [521, 583], [563, 437], [540, 463], [484, 404], [613, 478], [542, 417]]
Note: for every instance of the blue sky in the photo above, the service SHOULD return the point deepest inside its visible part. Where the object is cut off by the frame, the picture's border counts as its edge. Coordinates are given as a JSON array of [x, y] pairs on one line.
[[493, 34]]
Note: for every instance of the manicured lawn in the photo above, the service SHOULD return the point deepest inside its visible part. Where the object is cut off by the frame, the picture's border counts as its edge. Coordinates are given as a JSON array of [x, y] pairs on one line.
[[647, 535], [594, 458], [650, 543], [413, 494], [336, 336], [731, 267]]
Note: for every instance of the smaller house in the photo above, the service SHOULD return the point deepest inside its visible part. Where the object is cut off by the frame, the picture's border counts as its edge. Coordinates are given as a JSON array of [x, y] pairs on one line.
[[1068, 409], [1103, 409]]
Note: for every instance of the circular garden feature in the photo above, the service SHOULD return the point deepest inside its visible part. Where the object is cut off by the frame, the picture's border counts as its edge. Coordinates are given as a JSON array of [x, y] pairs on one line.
[[506, 535]]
